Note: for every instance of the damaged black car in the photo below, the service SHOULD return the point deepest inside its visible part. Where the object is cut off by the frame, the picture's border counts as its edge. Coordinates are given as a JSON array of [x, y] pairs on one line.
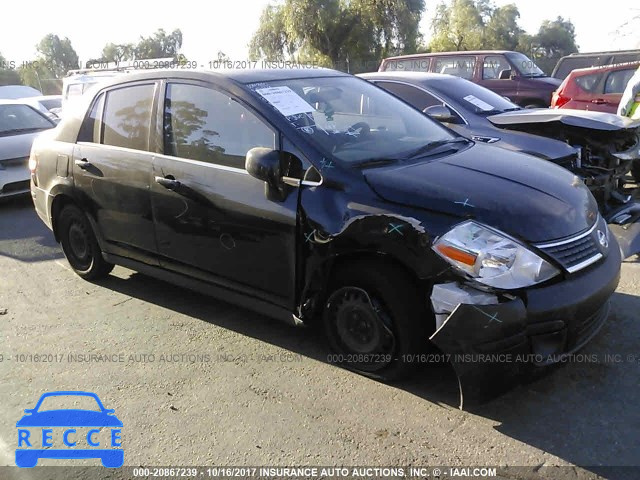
[[317, 198], [601, 148]]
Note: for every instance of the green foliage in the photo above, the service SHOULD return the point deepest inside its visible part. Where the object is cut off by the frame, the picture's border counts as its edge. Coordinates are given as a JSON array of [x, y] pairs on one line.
[[555, 39], [337, 32], [158, 45], [57, 55]]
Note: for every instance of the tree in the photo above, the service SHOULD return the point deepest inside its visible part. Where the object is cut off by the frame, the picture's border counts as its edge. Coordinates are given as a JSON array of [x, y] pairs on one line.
[[555, 39], [333, 32], [502, 30], [458, 26], [118, 53], [57, 55], [159, 45], [475, 25]]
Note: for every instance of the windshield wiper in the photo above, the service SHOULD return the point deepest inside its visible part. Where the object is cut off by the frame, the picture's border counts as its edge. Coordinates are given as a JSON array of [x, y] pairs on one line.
[[433, 145]]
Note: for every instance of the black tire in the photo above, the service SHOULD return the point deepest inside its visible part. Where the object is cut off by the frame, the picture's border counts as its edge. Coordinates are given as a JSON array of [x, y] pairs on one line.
[[79, 244], [635, 170], [380, 333]]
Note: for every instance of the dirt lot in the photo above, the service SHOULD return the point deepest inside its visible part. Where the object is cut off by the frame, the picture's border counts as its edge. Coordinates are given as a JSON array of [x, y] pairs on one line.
[[197, 381]]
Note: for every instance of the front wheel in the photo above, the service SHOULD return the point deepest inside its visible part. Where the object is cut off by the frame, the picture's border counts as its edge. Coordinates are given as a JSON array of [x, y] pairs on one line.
[[375, 321], [80, 246]]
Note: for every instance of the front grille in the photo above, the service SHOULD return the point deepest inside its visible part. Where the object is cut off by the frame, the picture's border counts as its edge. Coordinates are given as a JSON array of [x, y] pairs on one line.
[[578, 252]]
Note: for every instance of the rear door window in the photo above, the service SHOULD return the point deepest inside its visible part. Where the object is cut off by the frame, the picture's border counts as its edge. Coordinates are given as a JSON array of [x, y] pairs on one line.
[[617, 81], [127, 117], [458, 65], [201, 123], [416, 97]]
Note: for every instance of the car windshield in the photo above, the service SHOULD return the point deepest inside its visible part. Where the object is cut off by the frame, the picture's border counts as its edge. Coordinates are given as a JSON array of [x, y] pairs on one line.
[[351, 120], [525, 65], [473, 97], [69, 402], [16, 119]]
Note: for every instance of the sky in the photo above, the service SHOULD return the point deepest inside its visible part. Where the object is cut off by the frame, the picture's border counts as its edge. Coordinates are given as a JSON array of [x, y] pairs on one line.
[[223, 25]]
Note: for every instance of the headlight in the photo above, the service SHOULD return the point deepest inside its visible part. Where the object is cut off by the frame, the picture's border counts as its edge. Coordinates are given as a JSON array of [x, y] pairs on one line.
[[492, 258]]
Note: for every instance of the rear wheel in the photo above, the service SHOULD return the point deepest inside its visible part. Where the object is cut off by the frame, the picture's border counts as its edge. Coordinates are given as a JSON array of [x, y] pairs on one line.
[[79, 244], [375, 320]]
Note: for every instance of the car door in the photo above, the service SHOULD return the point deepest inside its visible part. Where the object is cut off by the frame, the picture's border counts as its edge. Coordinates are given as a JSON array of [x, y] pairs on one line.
[[613, 87], [112, 169], [213, 220], [492, 67]]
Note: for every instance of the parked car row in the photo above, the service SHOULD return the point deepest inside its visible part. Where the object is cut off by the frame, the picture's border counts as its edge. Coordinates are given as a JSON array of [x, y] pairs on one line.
[[602, 149], [317, 197], [510, 74]]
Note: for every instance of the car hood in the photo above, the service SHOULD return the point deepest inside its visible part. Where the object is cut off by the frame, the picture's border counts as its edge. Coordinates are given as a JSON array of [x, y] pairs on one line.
[[536, 145], [521, 195], [16, 146], [574, 118], [69, 418]]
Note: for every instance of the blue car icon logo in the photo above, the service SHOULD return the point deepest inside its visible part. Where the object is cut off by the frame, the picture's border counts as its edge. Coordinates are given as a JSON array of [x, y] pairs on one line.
[[85, 433]]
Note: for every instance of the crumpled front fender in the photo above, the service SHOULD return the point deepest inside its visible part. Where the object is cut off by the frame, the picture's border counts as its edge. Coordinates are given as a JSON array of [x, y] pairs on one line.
[[483, 342]]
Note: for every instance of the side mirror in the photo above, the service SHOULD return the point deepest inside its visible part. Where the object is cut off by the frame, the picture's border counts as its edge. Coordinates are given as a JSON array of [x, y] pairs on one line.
[[273, 168], [264, 164], [505, 74], [440, 113]]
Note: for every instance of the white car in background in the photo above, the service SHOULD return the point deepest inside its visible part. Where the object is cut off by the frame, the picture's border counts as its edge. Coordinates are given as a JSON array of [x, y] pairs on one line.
[[49, 105], [20, 123]]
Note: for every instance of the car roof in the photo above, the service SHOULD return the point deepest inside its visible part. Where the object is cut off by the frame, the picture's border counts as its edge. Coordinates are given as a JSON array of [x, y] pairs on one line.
[[243, 76], [11, 101], [601, 68], [18, 91], [44, 97], [458, 53]]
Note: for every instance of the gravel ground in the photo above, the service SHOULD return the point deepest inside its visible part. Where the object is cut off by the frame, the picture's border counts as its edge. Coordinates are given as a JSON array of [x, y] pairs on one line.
[[197, 381]]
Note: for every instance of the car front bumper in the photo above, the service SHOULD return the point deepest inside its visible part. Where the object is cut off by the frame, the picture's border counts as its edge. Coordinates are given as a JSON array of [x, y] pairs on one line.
[[14, 177], [494, 347]]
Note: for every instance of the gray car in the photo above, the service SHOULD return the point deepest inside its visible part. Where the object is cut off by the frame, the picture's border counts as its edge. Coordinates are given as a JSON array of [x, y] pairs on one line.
[[19, 126]]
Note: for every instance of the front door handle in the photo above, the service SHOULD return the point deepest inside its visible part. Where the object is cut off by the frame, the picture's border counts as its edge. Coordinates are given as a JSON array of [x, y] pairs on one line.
[[168, 182], [82, 163], [599, 101]]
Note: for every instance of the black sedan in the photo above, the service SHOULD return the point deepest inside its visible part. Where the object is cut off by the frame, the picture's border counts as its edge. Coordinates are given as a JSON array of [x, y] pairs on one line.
[[600, 148]]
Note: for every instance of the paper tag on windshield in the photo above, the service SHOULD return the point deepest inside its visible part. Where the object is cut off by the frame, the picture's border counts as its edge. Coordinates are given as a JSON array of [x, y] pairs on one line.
[[285, 100], [478, 103]]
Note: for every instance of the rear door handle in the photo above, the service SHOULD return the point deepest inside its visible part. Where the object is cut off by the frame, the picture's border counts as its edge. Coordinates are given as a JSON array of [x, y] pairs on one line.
[[82, 163], [168, 182], [599, 101]]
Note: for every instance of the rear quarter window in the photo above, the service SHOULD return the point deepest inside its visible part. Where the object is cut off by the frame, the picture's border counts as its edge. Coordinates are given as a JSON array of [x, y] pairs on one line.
[[408, 65], [458, 65], [617, 81]]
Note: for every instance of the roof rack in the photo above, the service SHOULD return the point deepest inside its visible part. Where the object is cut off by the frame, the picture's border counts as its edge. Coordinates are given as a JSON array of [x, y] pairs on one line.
[[138, 64]]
